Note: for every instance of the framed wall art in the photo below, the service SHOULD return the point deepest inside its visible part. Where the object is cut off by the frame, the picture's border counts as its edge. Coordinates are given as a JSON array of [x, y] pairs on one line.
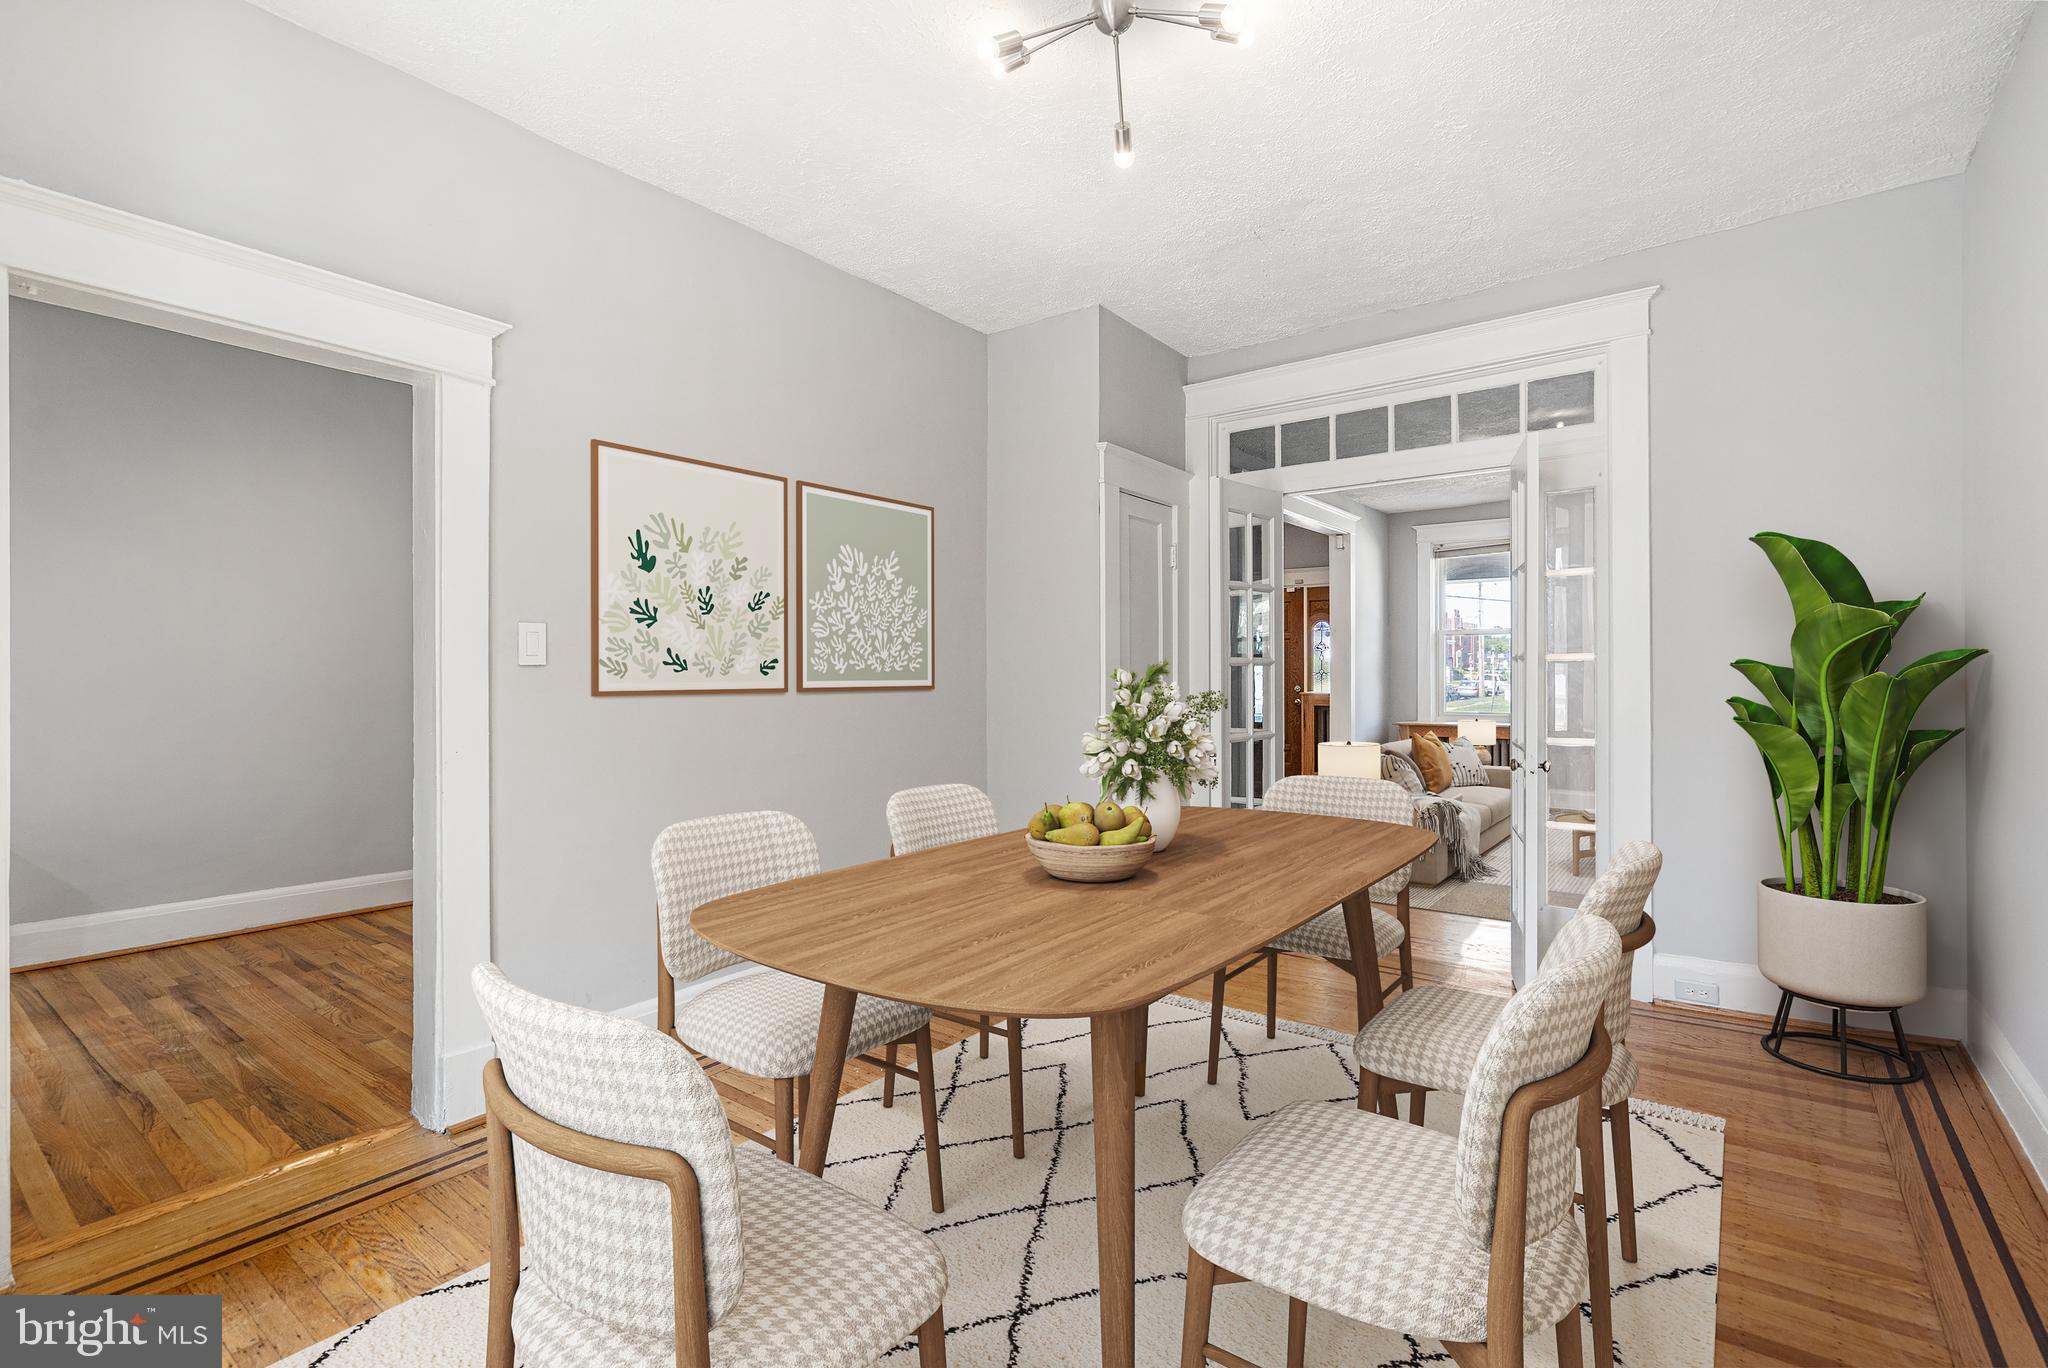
[[688, 575], [865, 573]]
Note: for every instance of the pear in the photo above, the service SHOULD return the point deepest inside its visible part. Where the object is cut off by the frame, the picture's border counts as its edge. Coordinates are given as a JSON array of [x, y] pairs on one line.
[[1076, 834], [1133, 816], [1043, 821], [1129, 834], [1076, 814], [1108, 816]]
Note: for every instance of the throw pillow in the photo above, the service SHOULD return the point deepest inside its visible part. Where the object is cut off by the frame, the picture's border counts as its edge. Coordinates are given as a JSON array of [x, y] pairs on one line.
[[1466, 766], [1402, 771], [1434, 762]]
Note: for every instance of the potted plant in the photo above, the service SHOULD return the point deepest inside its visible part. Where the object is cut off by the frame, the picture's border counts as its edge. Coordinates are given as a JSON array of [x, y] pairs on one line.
[[1838, 743], [1152, 745]]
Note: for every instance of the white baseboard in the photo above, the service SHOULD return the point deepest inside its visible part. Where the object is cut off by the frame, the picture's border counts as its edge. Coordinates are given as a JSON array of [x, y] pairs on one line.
[[101, 933], [1942, 1014], [2012, 1085]]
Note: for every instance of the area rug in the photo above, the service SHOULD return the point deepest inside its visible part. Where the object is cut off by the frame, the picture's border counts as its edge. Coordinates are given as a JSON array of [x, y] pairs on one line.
[[1488, 895], [1019, 1235]]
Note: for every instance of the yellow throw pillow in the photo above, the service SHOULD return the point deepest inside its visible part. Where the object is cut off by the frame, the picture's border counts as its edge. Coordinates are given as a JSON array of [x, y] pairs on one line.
[[1434, 762]]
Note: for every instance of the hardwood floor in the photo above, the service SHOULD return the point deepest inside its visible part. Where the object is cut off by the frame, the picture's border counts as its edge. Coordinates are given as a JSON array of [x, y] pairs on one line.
[[1859, 1224], [149, 1077]]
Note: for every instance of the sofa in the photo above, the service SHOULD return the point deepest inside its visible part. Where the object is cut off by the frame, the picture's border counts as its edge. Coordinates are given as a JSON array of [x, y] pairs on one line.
[[1489, 806]]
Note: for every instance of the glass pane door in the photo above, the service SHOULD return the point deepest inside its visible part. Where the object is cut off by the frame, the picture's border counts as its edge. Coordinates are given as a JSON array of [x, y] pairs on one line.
[[1571, 703], [1253, 736]]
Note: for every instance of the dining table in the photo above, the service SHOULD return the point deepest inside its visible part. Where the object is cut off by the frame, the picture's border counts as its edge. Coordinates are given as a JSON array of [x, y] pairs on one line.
[[979, 929]]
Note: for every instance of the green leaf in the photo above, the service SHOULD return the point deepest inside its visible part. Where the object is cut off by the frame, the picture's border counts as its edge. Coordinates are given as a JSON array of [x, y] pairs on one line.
[[1831, 648], [1815, 574], [1920, 745], [1788, 759], [1774, 682]]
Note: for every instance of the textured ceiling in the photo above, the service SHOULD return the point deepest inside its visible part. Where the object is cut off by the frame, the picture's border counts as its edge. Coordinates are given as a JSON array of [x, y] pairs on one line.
[[1360, 155], [1431, 491]]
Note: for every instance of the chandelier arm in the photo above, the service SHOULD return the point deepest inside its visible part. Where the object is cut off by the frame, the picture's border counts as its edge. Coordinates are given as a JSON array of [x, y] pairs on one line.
[[1116, 42], [1070, 25], [1065, 31], [1165, 14], [1168, 19]]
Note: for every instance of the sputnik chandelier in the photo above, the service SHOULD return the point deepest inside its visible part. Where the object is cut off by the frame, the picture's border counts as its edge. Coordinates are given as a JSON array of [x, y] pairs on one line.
[[1008, 51]]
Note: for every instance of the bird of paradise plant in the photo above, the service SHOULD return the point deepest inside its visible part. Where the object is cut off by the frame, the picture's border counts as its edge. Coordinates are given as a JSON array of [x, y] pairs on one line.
[[1835, 731]]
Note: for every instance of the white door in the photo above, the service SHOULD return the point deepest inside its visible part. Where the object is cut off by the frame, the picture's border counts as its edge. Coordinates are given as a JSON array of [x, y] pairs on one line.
[[1526, 750], [1140, 606], [1248, 564]]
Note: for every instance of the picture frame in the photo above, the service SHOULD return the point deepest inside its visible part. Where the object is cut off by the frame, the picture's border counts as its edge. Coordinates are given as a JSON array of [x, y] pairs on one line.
[[867, 571], [688, 575]]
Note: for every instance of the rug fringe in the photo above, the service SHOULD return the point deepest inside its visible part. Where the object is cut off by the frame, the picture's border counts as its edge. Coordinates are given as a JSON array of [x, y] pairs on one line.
[[1684, 1116]]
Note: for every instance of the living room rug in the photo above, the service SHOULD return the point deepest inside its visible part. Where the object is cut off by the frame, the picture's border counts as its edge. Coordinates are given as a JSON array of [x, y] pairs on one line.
[[1019, 1235]]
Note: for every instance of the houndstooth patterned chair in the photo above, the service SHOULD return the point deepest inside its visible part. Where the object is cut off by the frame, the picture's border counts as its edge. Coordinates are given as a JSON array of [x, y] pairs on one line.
[[1429, 1038], [1327, 936], [649, 1241], [939, 815], [765, 1023], [1466, 1239]]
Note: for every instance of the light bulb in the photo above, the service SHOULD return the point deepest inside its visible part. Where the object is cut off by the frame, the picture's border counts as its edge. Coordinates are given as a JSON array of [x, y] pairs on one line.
[[1233, 20], [997, 70], [1124, 154]]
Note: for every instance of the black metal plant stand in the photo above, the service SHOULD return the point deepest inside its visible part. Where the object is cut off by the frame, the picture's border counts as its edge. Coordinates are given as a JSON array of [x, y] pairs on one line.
[[1839, 1037]]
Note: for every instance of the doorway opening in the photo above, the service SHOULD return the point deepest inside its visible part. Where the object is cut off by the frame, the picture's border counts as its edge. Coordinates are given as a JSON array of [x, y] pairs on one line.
[[211, 854]]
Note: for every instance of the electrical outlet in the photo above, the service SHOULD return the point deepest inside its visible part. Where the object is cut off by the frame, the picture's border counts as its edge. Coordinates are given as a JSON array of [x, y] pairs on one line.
[[1692, 990]]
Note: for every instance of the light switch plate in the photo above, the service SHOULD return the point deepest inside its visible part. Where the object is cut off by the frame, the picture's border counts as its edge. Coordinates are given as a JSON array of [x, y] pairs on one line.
[[533, 643]]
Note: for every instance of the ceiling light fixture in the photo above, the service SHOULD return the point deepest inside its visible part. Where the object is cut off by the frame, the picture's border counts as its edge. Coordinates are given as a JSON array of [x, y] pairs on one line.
[[1006, 52]]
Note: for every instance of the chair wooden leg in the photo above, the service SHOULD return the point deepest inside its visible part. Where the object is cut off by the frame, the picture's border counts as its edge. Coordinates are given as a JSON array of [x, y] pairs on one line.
[[1467, 1355], [928, 1099], [1297, 1331], [1368, 1090], [931, 1341], [1144, 1041], [498, 1352], [984, 1036], [1593, 1184], [889, 1077], [1417, 1102], [803, 1099], [1568, 1340], [1215, 1023], [1272, 994], [1194, 1325], [1407, 940], [785, 1120], [1624, 1179]]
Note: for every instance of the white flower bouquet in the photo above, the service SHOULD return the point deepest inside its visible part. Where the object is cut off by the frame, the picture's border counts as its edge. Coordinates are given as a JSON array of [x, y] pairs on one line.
[[1150, 734]]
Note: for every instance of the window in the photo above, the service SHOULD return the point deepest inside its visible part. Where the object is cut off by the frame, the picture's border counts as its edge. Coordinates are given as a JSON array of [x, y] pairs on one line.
[[1472, 637], [1319, 657]]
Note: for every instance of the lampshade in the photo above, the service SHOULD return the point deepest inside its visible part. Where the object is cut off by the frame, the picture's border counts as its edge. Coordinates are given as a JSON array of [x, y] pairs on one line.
[[1480, 734], [1358, 759]]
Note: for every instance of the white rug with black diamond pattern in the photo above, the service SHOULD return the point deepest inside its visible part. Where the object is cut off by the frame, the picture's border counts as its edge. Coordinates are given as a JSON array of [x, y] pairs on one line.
[[1019, 1235]]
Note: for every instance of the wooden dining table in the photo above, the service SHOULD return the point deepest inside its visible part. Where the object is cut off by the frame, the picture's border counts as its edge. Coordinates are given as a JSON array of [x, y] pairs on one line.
[[978, 929]]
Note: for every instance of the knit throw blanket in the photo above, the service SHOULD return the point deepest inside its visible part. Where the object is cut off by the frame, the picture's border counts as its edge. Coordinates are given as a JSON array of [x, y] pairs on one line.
[[1458, 830]]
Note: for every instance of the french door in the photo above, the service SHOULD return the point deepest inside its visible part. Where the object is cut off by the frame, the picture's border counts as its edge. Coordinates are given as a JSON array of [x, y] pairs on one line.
[[1251, 635], [1527, 758]]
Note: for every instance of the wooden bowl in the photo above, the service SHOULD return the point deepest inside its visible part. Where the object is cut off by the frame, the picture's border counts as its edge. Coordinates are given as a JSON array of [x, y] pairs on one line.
[[1091, 864]]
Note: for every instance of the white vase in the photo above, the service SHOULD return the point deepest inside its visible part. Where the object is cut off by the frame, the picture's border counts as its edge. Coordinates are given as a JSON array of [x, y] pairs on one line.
[[1162, 805]]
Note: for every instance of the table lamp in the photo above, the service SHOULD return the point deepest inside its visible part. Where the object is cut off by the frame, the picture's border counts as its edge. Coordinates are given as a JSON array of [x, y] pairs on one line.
[[1358, 759], [1481, 734]]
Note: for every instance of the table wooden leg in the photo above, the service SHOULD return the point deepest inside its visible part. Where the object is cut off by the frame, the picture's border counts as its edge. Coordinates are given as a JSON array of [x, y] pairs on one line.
[[1112, 1048], [835, 1024], [1364, 959]]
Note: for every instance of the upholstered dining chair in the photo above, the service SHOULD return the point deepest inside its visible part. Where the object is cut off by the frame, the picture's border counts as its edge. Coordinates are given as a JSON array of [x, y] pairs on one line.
[[937, 815], [1331, 795], [765, 1023], [1428, 1039], [1468, 1239], [608, 1144]]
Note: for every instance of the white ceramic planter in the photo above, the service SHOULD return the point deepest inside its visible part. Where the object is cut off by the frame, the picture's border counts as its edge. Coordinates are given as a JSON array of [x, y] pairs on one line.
[[1162, 805], [1857, 954]]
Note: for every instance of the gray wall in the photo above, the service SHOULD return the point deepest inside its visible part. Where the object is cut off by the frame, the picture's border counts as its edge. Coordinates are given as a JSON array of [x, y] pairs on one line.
[[1403, 626], [1372, 711], [1044, 550], [2006, 483], [635, 317], [1142, 402], [212, 606], [1303, 548], [1805, 376]]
